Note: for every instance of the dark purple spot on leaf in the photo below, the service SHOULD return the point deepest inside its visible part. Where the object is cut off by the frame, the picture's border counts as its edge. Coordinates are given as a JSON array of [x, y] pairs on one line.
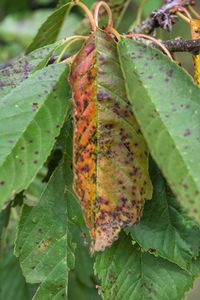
[[187, 132], [34, 106]]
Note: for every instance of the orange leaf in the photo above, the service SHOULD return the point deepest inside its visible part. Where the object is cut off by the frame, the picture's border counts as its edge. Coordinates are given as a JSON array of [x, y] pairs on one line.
[[195, 26], [110, 154]]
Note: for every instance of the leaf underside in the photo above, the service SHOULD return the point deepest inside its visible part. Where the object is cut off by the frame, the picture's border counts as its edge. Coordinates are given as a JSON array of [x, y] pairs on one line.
[[110, 154], [166, 103]]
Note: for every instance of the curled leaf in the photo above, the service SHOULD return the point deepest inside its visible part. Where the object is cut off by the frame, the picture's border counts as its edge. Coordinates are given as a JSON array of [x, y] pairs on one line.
[[110, 154]]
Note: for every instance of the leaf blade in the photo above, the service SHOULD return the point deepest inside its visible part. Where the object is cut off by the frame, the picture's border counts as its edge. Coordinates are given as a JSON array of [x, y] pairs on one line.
[[172, 142], [129, 273], [165, 230], [20, 70], [30, 121], [101, 107], [50, 29], [43, 242]]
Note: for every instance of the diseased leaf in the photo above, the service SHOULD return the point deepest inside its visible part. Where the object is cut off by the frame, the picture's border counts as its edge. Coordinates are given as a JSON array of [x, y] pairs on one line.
[[167, 106], [20, 70], [82, 282], [44, 245], [195, 26], [164, 229], [30, 118], [50, 29], [110, 154], [126, 272]]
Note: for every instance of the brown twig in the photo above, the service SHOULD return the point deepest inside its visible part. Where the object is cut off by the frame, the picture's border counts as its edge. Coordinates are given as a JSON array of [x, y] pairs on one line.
[[164, 17], [182, 45], [178, 45]]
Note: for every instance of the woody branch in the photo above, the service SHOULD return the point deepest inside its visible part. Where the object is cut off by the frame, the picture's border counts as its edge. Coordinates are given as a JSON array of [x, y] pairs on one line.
[[165, 18]]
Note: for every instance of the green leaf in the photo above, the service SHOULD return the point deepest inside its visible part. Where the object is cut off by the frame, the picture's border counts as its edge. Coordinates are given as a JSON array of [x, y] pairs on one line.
[[166, 103], [30, 118], [43, 244], [81, 279], [20, 70], [12, 282], [126, 272], [164, 229], [50, 29]]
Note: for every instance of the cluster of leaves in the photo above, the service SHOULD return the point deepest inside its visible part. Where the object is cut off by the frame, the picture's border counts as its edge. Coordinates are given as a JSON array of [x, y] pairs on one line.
[[156, 259]]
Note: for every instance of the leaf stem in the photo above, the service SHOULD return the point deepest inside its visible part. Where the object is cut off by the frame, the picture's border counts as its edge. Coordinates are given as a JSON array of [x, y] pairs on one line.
[[184, 18], [140, 11], [186, 12], [135, 35], [108, 10], [115, 32], [71, 40], [195, 13], [88, 13]]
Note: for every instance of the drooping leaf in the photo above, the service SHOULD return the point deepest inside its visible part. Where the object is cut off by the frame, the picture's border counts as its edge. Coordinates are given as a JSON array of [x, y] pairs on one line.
[[126, 272], [195, 26], [12, 282], [30, 118], [164, 229], [107, 142], [50, 29], [82, 282], [44, 245], [167, 106]]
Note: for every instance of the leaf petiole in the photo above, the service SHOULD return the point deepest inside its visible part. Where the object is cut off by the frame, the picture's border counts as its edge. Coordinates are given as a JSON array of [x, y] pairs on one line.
[[108, 10], [135, 35], [71, 40], [88, 13]]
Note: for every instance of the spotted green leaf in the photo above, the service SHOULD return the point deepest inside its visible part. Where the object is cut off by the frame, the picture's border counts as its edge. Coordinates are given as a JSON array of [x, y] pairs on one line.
[[20, 70], [127, 272], [30, 118], [12, 282], [166, 103], [44, 246], [165, 230]]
